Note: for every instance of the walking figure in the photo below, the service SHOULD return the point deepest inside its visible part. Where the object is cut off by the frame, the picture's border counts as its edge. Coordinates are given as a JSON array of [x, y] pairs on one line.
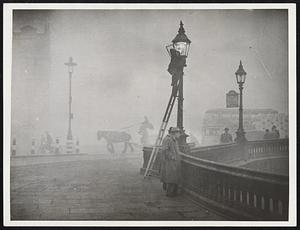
[[143, 131], [42, 147], [49, 142], [46, 144]]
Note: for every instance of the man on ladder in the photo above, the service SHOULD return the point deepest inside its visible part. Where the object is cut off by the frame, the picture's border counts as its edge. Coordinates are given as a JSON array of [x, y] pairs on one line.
[[178, 52], [170, 171]]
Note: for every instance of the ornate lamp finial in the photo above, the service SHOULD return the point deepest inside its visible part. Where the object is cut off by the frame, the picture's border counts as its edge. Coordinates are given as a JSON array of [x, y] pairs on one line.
[[181, 36], [181, 29], [240, 70]]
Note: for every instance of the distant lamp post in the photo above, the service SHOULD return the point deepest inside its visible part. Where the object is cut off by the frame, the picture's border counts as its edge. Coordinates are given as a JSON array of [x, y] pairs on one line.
[[240, 75], [70, 65], [178, 51]]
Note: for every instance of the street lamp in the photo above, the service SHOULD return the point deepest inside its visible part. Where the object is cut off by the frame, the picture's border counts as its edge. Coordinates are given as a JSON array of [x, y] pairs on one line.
[[180, 43], [178, 51], [70, 65], [240, 75]]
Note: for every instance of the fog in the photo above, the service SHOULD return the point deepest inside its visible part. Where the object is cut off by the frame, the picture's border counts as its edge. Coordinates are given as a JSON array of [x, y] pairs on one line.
[[122, 75]]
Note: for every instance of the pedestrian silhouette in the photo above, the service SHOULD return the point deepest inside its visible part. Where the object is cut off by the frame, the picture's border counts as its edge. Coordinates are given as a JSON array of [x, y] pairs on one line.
[[226, 137], [275, 132], [267, 135]]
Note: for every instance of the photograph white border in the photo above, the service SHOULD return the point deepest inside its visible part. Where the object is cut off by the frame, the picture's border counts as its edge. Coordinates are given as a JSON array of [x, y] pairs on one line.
[[7, 59]]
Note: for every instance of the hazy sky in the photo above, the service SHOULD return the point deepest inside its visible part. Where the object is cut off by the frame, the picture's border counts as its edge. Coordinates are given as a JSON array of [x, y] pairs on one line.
[[122, 64]]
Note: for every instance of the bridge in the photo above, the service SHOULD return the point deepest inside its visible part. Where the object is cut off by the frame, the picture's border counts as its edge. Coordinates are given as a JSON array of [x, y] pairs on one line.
[[222, 177], [110, 187], [100, 187]]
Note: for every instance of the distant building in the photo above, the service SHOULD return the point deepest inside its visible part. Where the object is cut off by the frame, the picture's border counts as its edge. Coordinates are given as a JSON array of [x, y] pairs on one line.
[[30, 82], [256, 121]]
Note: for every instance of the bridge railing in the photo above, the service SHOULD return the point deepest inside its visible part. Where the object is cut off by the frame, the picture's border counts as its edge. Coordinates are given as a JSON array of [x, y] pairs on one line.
[[258, 148], [219, 153], [230, 153], [245, 193], [242, 193]]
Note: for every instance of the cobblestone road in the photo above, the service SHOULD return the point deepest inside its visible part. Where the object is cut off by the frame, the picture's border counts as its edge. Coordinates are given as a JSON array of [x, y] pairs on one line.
[[95, 188]]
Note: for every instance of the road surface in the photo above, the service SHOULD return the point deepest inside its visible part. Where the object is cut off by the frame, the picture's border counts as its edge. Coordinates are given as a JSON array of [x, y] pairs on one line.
[[94, 187]]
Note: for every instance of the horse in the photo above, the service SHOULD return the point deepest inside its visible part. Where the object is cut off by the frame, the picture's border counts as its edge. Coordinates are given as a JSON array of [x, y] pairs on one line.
[[112, 137]]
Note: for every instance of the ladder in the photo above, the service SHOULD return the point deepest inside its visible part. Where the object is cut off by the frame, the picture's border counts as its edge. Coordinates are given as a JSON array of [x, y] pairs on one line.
[[162, 129]]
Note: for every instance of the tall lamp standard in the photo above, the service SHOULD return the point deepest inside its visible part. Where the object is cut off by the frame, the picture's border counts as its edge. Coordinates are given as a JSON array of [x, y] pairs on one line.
[[240, 75], [70, 65], [178, 51]]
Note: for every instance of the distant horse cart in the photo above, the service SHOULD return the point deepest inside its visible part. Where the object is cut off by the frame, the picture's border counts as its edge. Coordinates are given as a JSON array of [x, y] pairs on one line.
[[114, 137]]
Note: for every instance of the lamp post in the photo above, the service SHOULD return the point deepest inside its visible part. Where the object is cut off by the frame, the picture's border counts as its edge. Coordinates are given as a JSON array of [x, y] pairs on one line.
[[178, 51], [240, 75], [70, 65]]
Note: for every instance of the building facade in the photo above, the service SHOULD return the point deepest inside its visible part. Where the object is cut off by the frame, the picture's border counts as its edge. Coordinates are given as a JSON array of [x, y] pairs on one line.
[[29, 83], [255, 122]]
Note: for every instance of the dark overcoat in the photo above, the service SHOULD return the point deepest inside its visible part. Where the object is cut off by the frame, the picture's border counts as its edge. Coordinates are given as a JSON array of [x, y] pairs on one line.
[[170, 170]]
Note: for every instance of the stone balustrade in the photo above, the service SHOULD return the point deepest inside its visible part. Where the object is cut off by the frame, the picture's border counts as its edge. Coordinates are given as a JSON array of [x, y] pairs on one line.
[[230, 153], [243, 193]]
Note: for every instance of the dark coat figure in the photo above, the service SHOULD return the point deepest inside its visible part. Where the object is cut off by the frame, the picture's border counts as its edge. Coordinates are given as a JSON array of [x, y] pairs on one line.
[[268, 135], [46, 145], [275, 132], [49, 140], [226, 137], [173, 66], [170, 171], [176, 66]]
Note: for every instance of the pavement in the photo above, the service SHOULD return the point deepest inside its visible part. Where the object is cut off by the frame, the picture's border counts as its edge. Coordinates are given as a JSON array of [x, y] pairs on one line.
[[94, 187]]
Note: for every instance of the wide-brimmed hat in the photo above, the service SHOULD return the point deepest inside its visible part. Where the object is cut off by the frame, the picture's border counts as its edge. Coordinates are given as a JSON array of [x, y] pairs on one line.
[[174, 130], [226, 129]]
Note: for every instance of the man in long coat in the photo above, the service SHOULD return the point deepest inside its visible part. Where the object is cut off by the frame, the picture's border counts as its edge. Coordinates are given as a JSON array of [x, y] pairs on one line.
[[170, 171]]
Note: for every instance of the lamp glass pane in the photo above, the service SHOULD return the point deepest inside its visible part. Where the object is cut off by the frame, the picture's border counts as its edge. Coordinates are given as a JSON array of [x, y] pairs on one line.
[[181, 47], [244, 78], [240, 78], [187, 49]]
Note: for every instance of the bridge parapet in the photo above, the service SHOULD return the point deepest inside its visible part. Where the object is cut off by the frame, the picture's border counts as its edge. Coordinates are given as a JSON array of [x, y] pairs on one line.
[[274, 147], [230, 153], [245, 193]]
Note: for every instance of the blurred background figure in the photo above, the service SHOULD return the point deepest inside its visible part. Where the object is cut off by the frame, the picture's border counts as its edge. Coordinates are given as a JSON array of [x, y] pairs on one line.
[[267, 135], [46, 144], [275, 132], [42, 147], [49, 142], [226, 137], [143, 131]]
